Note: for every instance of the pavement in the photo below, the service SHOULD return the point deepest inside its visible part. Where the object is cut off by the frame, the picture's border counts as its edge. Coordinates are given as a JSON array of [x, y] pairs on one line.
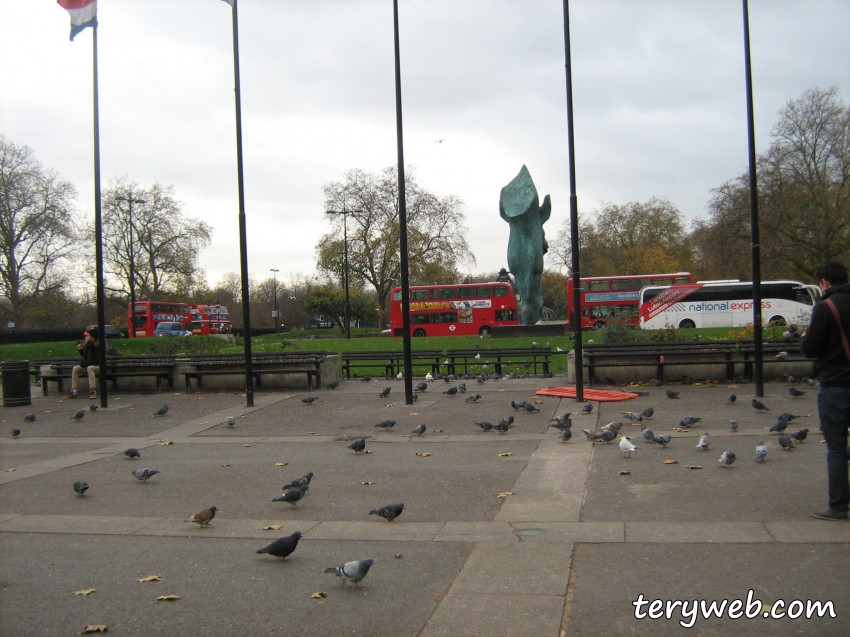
[[579, 534]]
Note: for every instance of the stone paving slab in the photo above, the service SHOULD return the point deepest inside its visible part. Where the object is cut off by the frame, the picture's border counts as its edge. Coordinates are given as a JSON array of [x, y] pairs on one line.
[[15, 455], [593, 532], [512, 615], [698, 532], [805, 531]]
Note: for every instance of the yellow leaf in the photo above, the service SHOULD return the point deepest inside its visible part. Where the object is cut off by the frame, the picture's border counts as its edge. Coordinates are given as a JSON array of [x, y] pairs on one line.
[[538, 402], [203, 422], [367, 483], [94, 628], [422, 454], [505, 494], [807, 416], [624, 473], [311, 433], [671, 462], [280, 464], [504, 455], [694, 466], [272, 527], [167, 598], [166, 443], [388, 405], [150, 578], [10, 470], [85, 591], [318, 596], [246, 445], [414, 413]]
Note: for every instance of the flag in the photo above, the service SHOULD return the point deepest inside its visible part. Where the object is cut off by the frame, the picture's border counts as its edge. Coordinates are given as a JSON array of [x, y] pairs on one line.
[[230, 2], [83, 14]]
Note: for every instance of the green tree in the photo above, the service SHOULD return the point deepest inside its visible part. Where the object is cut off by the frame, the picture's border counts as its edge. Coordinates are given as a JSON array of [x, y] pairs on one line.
[[329, 301]]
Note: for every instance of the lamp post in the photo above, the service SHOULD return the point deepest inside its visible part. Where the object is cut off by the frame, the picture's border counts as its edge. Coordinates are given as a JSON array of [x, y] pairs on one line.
[[274, 272], [132, 321], [345, 214]]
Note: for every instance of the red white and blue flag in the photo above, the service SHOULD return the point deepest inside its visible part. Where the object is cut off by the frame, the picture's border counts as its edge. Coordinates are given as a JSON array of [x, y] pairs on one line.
[[83, 14]]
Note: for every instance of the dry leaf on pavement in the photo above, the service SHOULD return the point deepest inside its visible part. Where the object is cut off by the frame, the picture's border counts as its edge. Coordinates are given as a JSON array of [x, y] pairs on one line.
[[422, 454], [246, 445], [505, 494], [504, 455], [167, 598], [671, 462], [150, 578], [272, 527], [85, 591], [318, 596], [624, 473], [280, 464], [367, 483], [94, 628]]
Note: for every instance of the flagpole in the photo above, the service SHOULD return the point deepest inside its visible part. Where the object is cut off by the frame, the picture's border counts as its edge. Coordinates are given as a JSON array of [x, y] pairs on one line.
[[243, 241], [98, 231]]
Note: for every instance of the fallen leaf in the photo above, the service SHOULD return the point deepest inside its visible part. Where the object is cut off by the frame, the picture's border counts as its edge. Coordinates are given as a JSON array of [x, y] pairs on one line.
[[505, 494], [10, 470], [538, 402], [637, 424], [311, 433], [501, 390], [823, 442], [150, 578], [367, 483], [200, 398], [176, 394], [280, 464], [439, 431], [806, 416], [340, 408], [624, 473], [272, 527], [166, 443], [671, 462], [167, 598], [246, 445], [694, 466], [732, 386], [367, 451], [61, 401], [389, 405], [504, 455], [414, 413], [94, 628], [398, 556], [226, 465], [436, 594], [697, 384], [423, 454], [203, 422], [85, 591], [318, 596]]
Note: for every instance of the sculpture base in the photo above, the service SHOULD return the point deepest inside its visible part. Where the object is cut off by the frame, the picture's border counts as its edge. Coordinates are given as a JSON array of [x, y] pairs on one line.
[[543, 328]]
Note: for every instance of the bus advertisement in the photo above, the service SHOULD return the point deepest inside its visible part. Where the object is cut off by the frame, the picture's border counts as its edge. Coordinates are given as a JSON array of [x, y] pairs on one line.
[[149, 313], [209, 319], [615, 299], [725, 304], [449, 310]]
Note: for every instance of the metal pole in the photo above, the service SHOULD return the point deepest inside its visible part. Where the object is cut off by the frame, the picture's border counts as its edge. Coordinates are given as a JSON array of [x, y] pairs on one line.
[[758, 376], [402, 222], [243, 241], [276, 315], [574, 242], [347, 301], [98, 231]]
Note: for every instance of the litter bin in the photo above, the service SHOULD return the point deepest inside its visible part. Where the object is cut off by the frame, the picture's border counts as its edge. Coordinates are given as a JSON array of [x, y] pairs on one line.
[[16, 383]]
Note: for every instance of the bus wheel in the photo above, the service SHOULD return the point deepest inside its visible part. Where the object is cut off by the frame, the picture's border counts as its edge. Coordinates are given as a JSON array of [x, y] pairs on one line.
[[778, 321], [687, 324], [484, 331], [598, 325], [419, 332]]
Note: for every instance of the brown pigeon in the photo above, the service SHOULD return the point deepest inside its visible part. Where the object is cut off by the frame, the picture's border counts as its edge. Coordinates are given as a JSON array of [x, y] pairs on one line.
[[204, 516]]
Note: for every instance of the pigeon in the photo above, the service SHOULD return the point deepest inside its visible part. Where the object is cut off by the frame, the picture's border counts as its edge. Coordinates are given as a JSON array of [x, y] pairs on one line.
[[562, 425], [230, 421], [800, 435], [787, 417], [779, 426], [309, 400], [298, 483], [727, 458], [627, 447], [78, 416], [389, 512], [529, 408], [385, 392], [203, 517], [634, 416], [612, 426], [358, 445], [451, 391], [293, 495], [415, 396], [781, 356], [761, 450], [566, 434], [462, 388], [655, 382], [332, 385], [647, 433], [672, 394], [422, 387], [352, 571], [533, 344], [587, 408], [648, 412], [795, 393], [419, 430], [607, 436], [145, 474], [502, 426], [810, 382], [791, 379], [518, 405], [94, 407], [81, 486], [662, 440], [472, 399], [608, 381], [486, 426], [16, 432], [759, 406], [29, 418], [161, 412], [785, 442], [704, 442], [386, 424], [687, 421], [132, 452], [732, 398], [282, 547], [687, 380], [366, 379], [587, 433], [429, 377], [733, 425], [399, 376]]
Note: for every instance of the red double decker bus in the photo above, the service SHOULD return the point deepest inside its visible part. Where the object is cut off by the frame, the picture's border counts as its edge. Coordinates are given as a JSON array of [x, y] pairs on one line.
[[148, 313], [447, 310], [615, 299], [209, 319]]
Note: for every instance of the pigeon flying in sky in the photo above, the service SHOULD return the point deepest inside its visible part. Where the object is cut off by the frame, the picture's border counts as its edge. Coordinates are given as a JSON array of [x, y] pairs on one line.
[[81, 486], [203, 517], [389, 512], [282, 547], [353, 572], [161, 411], [144, 474]]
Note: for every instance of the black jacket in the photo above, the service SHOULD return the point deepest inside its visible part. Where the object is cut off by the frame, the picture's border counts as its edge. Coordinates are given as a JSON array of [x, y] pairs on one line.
[[89, 354], [823, 339]]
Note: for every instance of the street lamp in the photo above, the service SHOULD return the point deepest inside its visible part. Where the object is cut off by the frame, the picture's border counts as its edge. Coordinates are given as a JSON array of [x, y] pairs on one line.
[[132, 321], [274, 272], [345, 214]]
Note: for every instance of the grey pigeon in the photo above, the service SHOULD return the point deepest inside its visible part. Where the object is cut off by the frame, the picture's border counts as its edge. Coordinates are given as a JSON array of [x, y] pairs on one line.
[[518, 405], [298, 483], [132, 452], [759, 406], [231, 421], [761, 450], [727, 458], [662, 440], [358, 445], [389, 512], [563, 425], [655, 382], [672, 394], [144, 474], [419, 430], [704, 442], [472, 399], [634, 416], [529, 408], [415, 396], [16, 432], [687, 380], [587, 408], [94, 407], [785, 442], [647, 433], [309, 400], [502, 426], [81, 486], [566, 434], [687, 421], [79, 415], [781, 356], [800, 435], [486, 426], [352, 572], [385, 392], [292, 496], [733, 425], [810, 382], [612, 426], [462, 388], [779, 426], [386, 424], [451, 391], [787, 417], [795, 393], [29, 418], [732, 398], [282, 547], [161, 411], [648, 412], [366, 379], [607, 436], [627, 447], [422, 387], [332, 385], [587, 433]]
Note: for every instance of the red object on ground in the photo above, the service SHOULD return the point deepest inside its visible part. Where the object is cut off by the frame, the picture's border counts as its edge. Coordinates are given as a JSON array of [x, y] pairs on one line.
[[602, 395]]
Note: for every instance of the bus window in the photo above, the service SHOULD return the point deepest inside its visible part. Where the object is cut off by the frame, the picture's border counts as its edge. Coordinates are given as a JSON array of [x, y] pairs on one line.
[[505, 315], [803, 297], [418, 318], [397, 295], [637, 284], [664, 280], [600, 286], [447, 317], [419, 295], [501, 290], [681, 280], [621, 284], [445, 293], [465, 293], [484, 292]]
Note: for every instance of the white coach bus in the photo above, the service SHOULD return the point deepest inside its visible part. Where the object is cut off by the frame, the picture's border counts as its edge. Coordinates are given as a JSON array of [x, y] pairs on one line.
[[725, 304]]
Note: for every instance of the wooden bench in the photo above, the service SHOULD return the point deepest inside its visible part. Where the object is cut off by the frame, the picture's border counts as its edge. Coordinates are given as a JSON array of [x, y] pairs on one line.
[[158, 367], [262, 364], [392, 362], [60, 369], [525, 356]]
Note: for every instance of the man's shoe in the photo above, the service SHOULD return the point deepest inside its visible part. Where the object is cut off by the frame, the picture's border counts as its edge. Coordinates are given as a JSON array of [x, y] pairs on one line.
[[73, 394], [93, 393], [829, 514]]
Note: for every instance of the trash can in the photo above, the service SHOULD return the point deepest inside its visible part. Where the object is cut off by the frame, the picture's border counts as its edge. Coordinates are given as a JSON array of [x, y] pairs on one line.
[[16, 383]]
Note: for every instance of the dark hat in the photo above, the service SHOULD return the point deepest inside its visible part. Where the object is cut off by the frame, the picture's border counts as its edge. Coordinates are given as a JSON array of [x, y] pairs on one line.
[[91, 332]]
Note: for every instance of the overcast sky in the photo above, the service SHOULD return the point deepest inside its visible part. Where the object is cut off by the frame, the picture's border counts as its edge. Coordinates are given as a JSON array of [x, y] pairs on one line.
[[658, 95]]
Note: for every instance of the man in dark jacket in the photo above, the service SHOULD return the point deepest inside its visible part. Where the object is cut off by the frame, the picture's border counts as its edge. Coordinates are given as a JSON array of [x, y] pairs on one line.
[[89, 365], [826, 340]]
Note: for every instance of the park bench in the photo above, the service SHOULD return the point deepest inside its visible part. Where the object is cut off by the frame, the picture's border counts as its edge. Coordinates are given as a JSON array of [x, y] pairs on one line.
[[59, 369], [523, 356], [392, 362], [53, 369], [262, 364]]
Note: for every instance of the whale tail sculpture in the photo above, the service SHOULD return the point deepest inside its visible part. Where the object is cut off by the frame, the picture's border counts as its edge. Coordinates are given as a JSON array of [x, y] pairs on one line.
[[518, 205]]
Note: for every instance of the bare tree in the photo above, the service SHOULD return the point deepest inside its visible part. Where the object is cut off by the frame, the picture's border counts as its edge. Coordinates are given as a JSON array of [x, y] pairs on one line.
[[37, 230]]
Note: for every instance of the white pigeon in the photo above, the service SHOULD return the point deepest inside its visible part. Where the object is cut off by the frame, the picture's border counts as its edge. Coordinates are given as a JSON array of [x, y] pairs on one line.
[[429, 377], [446, 362], [478, 357], [704, 442], [627, 447], [558, 349], [761, 450], [400, 376]]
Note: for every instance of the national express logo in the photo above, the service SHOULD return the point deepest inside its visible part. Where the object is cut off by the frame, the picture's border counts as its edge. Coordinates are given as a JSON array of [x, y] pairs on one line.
[[725, 306]]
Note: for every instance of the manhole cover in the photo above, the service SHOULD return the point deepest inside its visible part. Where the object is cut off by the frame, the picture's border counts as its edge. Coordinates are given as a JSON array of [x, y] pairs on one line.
[[530, 532]]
